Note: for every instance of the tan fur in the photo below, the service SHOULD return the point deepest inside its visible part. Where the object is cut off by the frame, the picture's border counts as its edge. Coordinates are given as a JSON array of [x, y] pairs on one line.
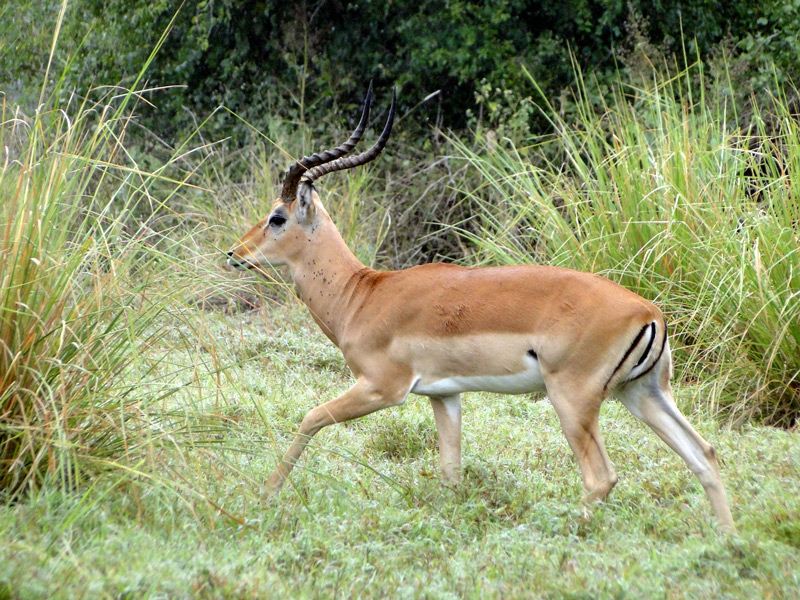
[[437, 321]]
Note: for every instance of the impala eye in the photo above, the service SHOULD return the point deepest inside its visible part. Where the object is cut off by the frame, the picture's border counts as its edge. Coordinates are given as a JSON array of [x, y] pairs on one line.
[[277, 220]]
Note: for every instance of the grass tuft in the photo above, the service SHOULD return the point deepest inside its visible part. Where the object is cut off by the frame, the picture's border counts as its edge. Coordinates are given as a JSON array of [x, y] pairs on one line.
[[99, 268]]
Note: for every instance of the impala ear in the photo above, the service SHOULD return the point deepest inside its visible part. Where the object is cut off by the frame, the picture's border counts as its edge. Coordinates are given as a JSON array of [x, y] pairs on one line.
[[305, 202]]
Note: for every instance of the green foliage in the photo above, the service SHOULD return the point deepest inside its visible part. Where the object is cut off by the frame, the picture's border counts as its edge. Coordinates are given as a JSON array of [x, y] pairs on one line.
[[87, 287], [306, 61], [26, 33]]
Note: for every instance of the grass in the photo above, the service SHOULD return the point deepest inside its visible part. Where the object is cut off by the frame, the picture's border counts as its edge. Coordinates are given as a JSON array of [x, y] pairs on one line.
[[97, 268], [368, 516]]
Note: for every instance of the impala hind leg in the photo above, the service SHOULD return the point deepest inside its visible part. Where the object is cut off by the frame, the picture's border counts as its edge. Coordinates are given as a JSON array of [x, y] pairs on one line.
[[360, 400], [447, 413], [579, 423], [651, 401]]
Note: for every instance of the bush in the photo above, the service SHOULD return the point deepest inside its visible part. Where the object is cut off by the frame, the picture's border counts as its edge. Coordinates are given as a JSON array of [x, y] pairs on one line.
[[264, 59]]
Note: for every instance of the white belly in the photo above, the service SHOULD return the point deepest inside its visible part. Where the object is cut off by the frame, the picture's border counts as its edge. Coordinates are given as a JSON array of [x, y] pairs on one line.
[[522, 382]]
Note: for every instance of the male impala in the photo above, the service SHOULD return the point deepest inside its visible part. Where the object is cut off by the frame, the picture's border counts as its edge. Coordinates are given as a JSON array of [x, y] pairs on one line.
[[439, 330]]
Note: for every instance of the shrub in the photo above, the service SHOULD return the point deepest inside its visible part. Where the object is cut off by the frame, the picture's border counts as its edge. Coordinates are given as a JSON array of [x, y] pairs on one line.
[[303, 62]]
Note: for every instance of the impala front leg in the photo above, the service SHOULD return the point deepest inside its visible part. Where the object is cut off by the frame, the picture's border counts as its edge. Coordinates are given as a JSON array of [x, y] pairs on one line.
[[361, 399], [447, 413]]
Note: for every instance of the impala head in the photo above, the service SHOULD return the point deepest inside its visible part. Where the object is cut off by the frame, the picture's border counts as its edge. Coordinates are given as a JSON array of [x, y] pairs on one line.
[[298, 213]]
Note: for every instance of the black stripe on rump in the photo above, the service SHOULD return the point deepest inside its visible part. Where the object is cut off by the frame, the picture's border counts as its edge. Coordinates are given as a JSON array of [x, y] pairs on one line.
[[649, 344], [655, 362], [627, 353], [532, 353]]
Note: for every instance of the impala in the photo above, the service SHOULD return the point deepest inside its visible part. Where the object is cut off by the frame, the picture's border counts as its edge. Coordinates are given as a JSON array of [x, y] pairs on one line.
[[439, 330]]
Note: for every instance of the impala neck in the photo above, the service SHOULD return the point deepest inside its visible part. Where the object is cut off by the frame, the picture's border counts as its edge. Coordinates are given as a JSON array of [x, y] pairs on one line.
[[321, 272]]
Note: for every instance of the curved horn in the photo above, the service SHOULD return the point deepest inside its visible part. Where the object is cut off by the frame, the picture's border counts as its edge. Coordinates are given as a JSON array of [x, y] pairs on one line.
[[360, 159], [295, 172]]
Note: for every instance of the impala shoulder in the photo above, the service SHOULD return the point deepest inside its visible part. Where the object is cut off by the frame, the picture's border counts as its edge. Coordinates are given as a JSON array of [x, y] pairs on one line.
[[362, 283]]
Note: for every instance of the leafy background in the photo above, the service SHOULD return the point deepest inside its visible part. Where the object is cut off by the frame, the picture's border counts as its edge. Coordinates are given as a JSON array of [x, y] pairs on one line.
[[303, 61]]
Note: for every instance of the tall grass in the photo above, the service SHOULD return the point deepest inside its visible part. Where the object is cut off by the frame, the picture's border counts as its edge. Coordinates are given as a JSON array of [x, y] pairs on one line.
[[662, 192], [85, 281]]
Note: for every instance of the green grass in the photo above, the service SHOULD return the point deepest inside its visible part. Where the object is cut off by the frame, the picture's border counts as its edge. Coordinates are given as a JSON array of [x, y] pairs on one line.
[[97, 265], [367, 514]]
